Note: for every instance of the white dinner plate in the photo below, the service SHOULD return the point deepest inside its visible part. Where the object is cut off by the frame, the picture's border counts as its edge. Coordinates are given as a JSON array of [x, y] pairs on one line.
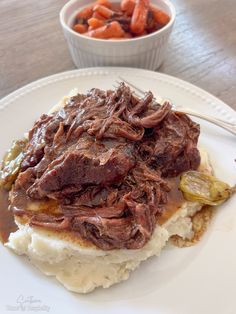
[[196, 280]]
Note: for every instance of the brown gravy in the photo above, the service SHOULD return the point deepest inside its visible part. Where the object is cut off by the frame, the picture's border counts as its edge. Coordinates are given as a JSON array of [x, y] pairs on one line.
[[174, 202], [7, 223]]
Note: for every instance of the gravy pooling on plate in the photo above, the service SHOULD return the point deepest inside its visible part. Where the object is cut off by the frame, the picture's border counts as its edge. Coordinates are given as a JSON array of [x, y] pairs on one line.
[[7, 222]]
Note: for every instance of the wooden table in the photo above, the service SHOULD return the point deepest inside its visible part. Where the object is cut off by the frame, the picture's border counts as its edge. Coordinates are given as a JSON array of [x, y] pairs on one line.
[[202, 48]]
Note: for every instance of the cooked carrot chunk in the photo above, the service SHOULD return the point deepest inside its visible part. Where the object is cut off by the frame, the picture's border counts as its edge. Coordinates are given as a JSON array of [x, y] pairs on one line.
[[98, 16], [106, 3], [160, 16], [85, 13], [139, 17], [104, 11], [80, 28], [128, 6], [111, 30], [95, 23]]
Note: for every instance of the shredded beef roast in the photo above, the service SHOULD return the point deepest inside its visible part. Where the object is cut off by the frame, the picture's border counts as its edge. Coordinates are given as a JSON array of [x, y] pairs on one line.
[[105, 158]]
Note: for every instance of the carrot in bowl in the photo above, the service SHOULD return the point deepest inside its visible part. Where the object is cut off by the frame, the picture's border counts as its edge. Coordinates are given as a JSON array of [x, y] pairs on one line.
[[111, 30], [128, 6], [86, 12], [95, 23], [80, 28], [98, 16], [139, 17], [126, 36], [160, 16], [105, 3], [103, 11]]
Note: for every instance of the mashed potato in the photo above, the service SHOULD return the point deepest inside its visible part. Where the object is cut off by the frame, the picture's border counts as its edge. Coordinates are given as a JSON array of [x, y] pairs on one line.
[[81, 269]]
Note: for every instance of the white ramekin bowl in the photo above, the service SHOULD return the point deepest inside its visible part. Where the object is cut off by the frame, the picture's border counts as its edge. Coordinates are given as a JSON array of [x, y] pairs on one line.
[[143, 52]]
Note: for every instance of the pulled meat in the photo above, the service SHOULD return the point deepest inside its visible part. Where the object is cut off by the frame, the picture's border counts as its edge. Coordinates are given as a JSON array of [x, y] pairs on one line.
[[105, 158]]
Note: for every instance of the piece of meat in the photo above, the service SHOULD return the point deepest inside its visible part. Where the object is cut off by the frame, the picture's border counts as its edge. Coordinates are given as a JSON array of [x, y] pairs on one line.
[[78, 169], [48, 221], [103, 159], [171, 147]]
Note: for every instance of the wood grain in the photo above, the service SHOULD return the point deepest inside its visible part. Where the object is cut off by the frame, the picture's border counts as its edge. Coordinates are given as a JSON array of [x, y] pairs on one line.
[[202, 48]]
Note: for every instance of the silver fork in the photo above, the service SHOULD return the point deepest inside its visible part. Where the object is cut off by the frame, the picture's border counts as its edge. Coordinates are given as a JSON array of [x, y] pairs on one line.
[[230, 127]]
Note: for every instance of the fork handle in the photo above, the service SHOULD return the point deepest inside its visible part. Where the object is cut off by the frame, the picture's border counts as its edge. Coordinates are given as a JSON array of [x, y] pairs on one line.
[[222, 124], [225, 125]]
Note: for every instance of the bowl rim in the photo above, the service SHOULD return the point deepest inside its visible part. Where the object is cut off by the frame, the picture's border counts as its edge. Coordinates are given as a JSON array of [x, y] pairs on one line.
[[115, 41]]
